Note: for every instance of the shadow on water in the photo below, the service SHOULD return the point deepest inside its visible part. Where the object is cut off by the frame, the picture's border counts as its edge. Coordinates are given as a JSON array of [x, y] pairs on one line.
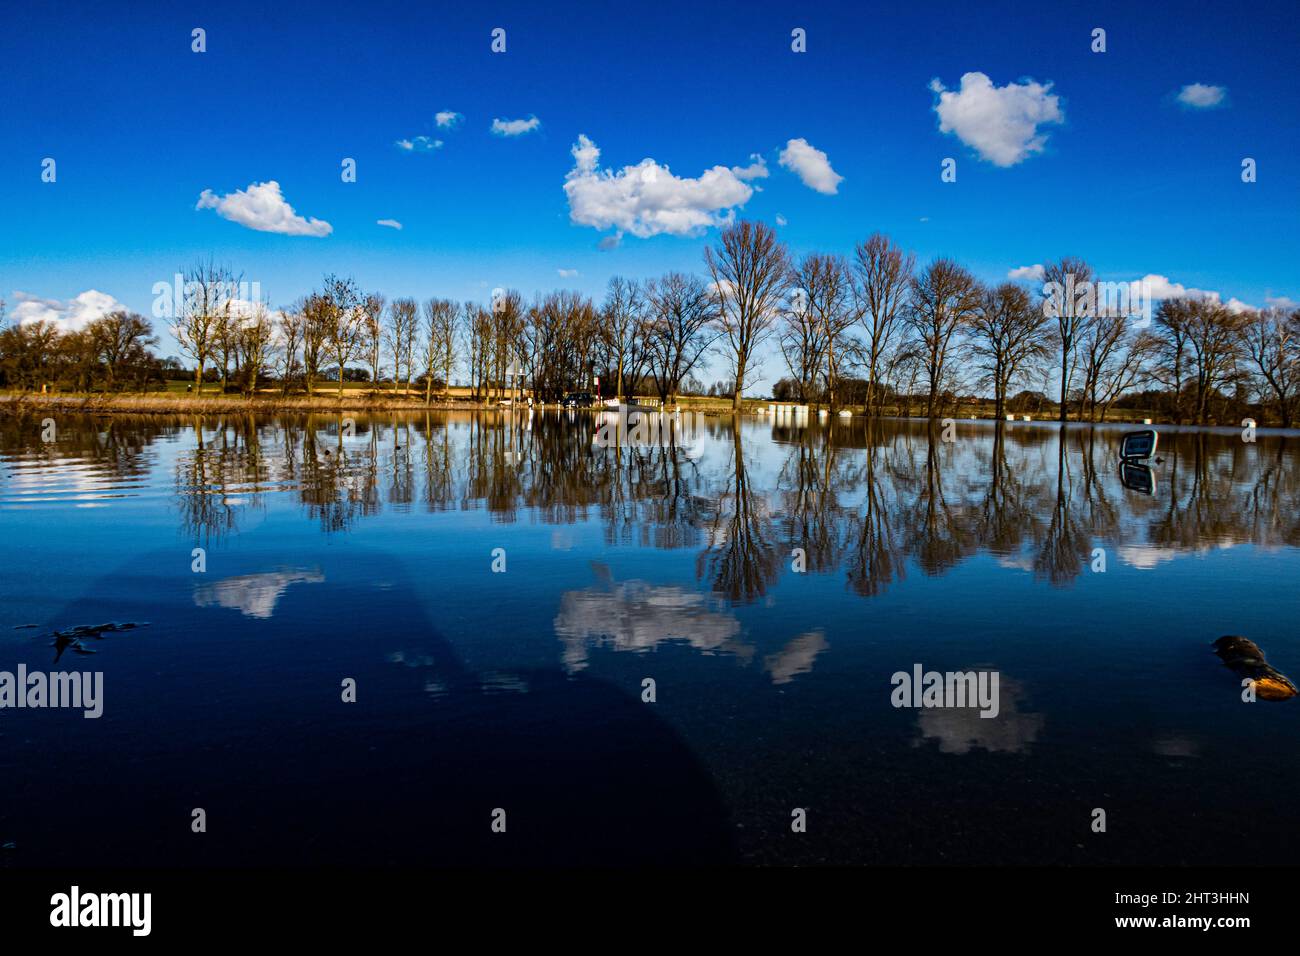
[[203, 712]]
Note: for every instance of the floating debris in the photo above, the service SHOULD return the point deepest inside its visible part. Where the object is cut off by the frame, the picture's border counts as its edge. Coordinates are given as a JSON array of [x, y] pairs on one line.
[[95, 630], [1245, 657], [72, 637]]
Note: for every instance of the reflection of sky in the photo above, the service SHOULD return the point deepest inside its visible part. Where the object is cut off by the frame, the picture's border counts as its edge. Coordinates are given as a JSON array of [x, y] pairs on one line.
[[795, 658], [960, 730], [636, 616], [261, 484], [254, 595], [784, 690]]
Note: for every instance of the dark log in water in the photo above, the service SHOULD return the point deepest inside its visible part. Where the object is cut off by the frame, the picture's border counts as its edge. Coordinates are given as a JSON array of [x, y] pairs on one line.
[[1245, 657]]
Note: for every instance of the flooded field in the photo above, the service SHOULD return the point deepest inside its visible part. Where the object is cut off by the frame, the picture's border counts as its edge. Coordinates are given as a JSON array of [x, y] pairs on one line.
[[356, 640]]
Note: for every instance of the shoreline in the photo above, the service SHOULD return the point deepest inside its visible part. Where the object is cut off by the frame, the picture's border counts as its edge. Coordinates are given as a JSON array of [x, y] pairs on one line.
[[14, 404], [149, 404]]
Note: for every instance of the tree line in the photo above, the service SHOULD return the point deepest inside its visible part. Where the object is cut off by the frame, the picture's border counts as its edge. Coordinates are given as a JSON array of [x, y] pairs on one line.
[[871, 329]]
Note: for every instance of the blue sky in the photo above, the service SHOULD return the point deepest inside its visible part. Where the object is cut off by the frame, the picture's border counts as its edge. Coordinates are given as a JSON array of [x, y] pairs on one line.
[[1129, 178]]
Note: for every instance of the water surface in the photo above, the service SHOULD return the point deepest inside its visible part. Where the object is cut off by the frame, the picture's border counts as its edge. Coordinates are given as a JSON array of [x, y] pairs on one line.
[[366, 551]]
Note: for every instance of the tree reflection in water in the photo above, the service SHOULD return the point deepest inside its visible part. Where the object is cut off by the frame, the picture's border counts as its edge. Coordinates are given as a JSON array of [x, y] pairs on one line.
[[863, 499]]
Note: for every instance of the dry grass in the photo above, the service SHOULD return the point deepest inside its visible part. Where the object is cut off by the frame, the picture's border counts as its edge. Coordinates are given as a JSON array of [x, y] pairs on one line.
[[164, 404]]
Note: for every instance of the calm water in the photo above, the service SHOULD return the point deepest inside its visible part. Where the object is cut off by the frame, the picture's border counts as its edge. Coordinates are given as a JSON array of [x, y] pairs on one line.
[[370, 556]]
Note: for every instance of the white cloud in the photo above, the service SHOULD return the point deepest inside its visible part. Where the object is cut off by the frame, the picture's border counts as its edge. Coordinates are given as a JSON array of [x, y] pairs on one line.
[[71, 315], [515, 127], [1200, 96], [447, 119], [567, 273], [262, 207], [1281, 302], [998, 122], [1161, 287], [647, 199], [811, 165], [390, 223], [419, 144], [781, 220], [757, 169], [1029, 273]]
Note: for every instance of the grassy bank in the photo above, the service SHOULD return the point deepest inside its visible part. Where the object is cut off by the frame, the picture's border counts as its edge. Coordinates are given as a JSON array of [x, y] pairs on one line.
[[354, 399], [172, 404], [363, 399]]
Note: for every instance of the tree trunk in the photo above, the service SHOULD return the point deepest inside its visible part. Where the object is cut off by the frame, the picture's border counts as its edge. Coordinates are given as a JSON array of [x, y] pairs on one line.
[[1064, 382], [830, 377]]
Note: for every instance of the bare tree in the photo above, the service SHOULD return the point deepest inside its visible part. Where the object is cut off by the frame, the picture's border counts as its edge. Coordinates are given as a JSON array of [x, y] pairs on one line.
[[750, 269], [372, 330], [225, 340], [441, 326], [945, 298], [507, 321], [621, 320], [1271, 342], [1067, 284], [1009, 333], [400, 334], [317, 318], [1128, 366], [345, 321], [802, 343], [1173, 319], [478, 326], [823, 282], [120, 338], [682, 327], [256, 339], [1113, 358], [292, 326], [1215, 337], [205, 302], [882, 282]]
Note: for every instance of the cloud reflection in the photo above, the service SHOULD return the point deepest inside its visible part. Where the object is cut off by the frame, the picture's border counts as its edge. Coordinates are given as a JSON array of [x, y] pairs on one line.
[[638, 616], [254, 595]]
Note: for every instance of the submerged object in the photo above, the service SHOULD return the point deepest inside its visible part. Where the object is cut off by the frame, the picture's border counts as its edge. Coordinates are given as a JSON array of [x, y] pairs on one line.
[[1136, 476], [1135, 449], [1139, 445], [1245, 657]]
